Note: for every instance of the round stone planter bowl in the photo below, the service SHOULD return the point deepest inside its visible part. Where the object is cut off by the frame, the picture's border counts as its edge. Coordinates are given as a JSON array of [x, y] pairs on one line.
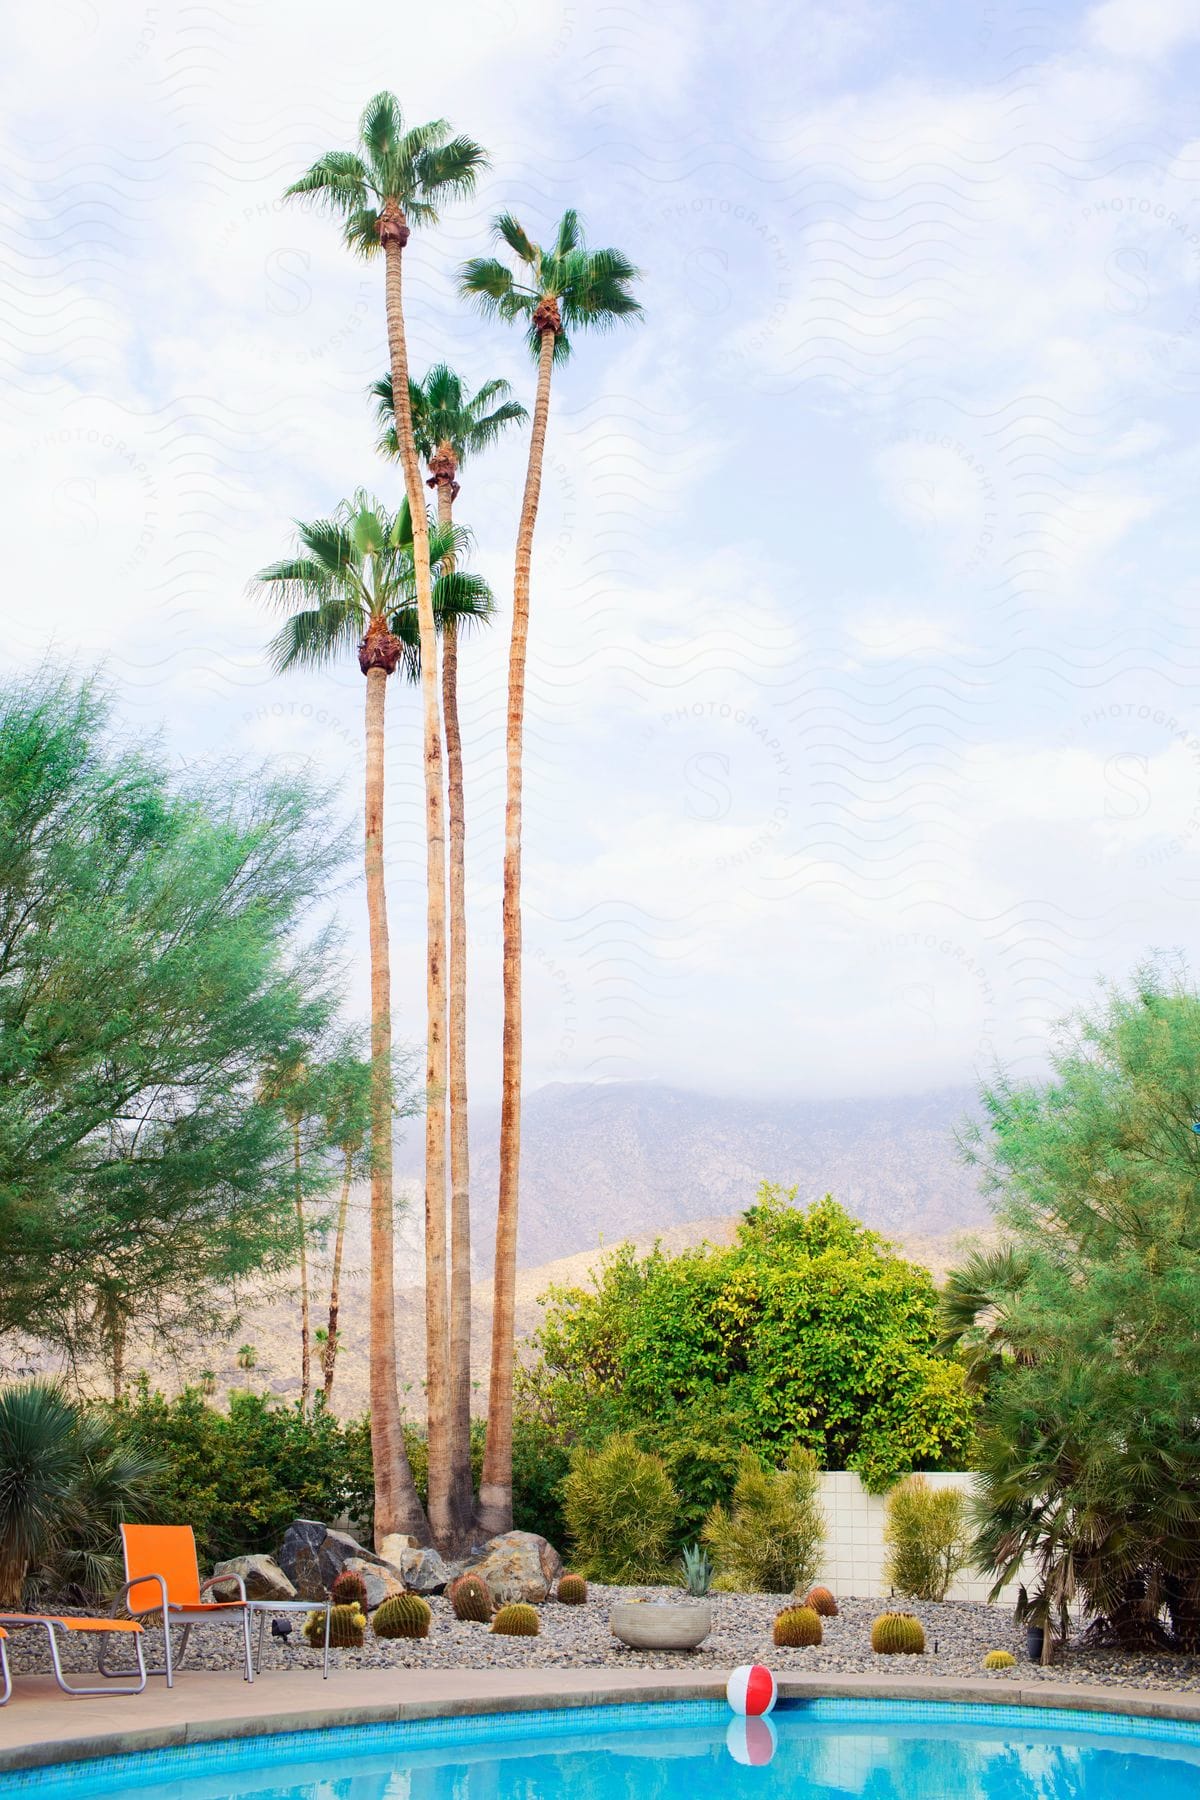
[[661, 1624]]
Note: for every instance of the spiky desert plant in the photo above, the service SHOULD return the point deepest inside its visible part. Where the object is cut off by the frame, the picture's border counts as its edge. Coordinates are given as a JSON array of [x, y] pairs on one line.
[[572, 1590], [768, 1541], [471, 1598], [349, 1589], [822, 1602], [928, 1536], [898, 1634], [797, 1628], [620, 1509], [346, 1627], [697, 1570], [999, 1659], [403, 1616], [518, 1620]]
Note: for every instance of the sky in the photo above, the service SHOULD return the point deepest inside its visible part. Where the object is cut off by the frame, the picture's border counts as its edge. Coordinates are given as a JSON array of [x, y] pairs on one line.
[[864, 729]]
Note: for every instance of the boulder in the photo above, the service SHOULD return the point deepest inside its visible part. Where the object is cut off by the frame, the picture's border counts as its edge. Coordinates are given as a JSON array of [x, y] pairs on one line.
[[518, 1565], [391, 1546], [380, 1580], [313, 1555], [423, 1571], [264, 1579]]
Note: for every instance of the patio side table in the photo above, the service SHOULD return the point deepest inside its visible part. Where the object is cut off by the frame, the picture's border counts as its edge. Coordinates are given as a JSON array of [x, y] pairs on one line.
[[263, 1607]]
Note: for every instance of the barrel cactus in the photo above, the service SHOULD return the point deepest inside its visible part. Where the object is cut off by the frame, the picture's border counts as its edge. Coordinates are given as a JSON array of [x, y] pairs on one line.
[[898, 1634], [346, 1627], [572, 1590], [471, 1598], [403, 1616], [999, 1659], [349, 1589], [822, 1602], [797, 1627], [517, 1620]]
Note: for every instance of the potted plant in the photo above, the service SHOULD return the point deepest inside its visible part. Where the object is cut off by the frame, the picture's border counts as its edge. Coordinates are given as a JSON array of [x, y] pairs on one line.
[[1034, 1614]]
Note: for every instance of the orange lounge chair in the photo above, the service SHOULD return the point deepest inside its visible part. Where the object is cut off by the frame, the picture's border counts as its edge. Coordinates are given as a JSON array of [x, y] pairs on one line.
[[5, 1677], [163, 1575], [54, 1623]]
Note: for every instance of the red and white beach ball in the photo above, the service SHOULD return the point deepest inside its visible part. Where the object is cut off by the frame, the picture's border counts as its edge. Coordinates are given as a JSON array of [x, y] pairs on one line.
[[751, 1691], [751, 1742]]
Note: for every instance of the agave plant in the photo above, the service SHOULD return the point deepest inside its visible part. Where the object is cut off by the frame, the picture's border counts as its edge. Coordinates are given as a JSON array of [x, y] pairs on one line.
[[697, 1570]]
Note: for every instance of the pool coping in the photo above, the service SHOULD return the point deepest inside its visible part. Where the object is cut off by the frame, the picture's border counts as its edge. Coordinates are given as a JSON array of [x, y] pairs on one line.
[[571, 1688]]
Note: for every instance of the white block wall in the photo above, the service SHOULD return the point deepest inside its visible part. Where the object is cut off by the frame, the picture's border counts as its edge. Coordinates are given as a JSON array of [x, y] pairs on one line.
[[854, 1551]]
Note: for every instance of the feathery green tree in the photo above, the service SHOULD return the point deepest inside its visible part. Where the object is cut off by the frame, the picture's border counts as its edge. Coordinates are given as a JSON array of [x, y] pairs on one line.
[[1090, 1460], [151, 968]]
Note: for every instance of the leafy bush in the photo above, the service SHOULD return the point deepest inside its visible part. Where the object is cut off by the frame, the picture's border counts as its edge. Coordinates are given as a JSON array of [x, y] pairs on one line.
[[808, 1327], [68, 1475], [1089, 1455], [620, 1510], [240, 1478], [769, 1539], [927, 1536]]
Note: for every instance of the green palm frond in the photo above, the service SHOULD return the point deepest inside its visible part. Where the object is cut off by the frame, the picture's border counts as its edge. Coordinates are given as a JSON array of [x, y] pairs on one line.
[[443, 411], [509, 230], [466, 599], [319, 635], [592, 287], [339, 180], [452, 168], [569, 233], [381, 126]]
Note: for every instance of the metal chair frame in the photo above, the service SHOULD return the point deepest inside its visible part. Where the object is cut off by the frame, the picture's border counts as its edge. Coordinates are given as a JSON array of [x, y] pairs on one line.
[[52, 1624], [187, 1617]]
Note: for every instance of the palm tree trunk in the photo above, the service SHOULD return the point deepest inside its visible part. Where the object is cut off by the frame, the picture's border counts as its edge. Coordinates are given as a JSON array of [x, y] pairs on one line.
[[305, 1321], [329, 1361], [393, 235], [461, 1488], [495, 1489], [397, 1507]]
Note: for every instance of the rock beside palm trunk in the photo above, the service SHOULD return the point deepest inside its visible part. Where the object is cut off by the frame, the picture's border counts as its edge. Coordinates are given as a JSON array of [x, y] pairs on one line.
[[264, 1579], [518, 1565], [313, 1555]]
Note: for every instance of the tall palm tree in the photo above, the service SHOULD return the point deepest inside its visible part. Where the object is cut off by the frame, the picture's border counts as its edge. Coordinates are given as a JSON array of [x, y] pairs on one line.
[[451, 425], [555, 292], [355, 583], [396, 179]]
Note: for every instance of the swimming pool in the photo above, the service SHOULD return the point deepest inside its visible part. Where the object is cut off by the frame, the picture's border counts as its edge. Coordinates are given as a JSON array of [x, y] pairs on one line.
[[835, 1749]]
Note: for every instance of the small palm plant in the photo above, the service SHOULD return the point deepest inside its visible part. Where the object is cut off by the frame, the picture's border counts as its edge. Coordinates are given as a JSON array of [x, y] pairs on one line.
[[68, 1475], [247, 1357], [554, 292]]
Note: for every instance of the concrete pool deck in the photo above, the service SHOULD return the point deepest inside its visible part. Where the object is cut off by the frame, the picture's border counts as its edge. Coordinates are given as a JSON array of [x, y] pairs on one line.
[[41, 1726]]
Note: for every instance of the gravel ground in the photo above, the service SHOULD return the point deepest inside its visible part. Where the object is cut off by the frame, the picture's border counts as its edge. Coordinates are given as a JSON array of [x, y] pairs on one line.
[[957, 1638]]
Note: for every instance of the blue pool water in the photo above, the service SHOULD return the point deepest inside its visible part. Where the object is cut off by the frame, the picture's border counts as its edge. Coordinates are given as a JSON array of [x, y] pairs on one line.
[[817, 1750]]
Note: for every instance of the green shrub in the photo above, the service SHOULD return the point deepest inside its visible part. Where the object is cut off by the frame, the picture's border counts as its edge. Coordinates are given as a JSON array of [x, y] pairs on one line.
[[620, 1510], [928, 1538], [769, 1539]]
